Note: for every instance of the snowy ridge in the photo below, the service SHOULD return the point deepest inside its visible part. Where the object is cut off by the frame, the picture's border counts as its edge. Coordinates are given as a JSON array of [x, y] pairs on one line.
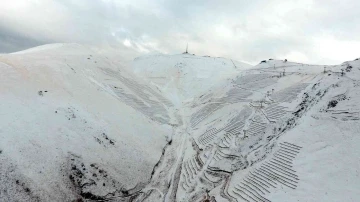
[[250, 147], [76, 126], [183, 76], [60, 126]]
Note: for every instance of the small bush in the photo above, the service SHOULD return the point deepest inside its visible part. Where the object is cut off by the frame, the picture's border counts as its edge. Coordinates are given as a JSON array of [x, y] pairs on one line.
[[348, 68], [332, 104]]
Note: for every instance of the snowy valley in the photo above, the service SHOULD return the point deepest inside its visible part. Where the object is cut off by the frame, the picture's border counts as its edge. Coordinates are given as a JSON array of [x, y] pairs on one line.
[[77, 126]]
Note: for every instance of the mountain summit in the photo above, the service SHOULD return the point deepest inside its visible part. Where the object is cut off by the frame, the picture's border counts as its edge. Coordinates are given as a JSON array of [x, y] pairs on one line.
[[183, 76]]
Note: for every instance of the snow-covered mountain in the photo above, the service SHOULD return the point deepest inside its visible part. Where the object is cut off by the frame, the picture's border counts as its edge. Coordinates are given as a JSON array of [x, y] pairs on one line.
[[275, 135], [60, 129], [183, 76], [77, 126]]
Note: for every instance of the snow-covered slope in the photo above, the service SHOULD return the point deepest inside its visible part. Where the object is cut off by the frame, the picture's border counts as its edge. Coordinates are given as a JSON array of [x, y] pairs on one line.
[[183, 76], [270, 135], [75, 126]]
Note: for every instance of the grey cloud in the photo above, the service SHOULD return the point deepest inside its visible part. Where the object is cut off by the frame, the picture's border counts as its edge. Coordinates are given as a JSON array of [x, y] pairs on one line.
[[12, 41], [239, 29]]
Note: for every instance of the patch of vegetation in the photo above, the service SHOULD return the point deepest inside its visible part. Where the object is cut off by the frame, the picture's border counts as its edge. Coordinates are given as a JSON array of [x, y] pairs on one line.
[[332, 104]]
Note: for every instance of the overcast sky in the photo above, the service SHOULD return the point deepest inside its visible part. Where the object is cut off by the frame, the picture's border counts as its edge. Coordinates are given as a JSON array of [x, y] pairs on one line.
[[310, 31]]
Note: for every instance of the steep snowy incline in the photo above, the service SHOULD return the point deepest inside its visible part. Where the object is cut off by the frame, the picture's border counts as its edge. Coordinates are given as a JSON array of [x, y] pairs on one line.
[[73, 126], [76, 126], [269, 135], [183, 76]]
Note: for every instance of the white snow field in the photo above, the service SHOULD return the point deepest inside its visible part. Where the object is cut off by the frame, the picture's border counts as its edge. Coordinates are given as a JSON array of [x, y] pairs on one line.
[[183, 76], [77, 126], [60, 129]]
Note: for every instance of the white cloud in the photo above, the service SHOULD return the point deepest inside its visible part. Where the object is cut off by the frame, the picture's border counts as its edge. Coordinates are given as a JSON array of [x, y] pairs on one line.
[[311, 31], [328, 47], [127, 43], [296, 56]]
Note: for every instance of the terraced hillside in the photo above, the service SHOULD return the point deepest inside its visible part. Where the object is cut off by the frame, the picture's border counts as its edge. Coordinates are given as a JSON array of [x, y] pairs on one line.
[[253, 139], [77, 127]]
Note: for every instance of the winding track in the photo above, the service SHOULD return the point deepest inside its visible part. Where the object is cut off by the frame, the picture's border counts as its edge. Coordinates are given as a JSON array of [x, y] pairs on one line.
[[267, 175]]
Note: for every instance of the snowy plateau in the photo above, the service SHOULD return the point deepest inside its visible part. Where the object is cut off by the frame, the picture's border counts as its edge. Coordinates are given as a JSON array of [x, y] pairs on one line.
[[79, 125]]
